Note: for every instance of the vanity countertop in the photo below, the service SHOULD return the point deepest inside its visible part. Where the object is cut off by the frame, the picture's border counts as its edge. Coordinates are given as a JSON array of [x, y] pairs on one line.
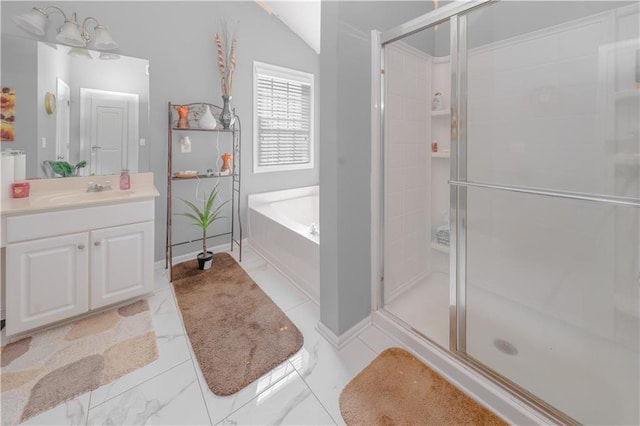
[[68, 193]]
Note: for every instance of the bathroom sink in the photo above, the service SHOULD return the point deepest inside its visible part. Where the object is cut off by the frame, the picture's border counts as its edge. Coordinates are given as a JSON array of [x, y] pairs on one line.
[[83, 196]]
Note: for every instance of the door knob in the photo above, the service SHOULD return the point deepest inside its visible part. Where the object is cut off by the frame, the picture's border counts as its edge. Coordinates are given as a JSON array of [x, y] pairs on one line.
[[97, 243], [80, 246]]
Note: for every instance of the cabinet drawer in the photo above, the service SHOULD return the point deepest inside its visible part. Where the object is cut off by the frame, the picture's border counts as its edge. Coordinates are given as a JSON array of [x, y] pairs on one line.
[[61, 222]]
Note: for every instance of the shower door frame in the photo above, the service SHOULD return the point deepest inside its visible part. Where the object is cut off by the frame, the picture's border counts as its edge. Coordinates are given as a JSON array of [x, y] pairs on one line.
[[456, 15], [457, 194]]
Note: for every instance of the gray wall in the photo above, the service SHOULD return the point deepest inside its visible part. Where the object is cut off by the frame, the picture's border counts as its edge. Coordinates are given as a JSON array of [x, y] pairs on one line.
[[17, 58], [177, 38], [345, 154], [51, 65]]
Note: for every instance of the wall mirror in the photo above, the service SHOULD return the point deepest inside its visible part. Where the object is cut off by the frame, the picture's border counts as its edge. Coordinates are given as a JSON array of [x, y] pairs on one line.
[[75, 104]]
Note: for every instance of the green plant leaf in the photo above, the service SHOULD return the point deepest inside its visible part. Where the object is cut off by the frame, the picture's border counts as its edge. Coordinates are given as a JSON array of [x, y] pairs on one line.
[[62, 168], [205, 217]]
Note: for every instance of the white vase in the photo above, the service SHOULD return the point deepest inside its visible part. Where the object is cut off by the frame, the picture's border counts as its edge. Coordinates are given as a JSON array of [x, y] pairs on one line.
[[207, 120]]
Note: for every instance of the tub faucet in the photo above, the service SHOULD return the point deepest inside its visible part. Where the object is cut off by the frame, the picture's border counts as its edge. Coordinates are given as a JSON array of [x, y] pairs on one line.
[[99, 187]]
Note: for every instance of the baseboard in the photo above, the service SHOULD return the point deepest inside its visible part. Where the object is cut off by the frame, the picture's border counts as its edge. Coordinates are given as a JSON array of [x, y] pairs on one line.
[[340, 341], [160, 264]]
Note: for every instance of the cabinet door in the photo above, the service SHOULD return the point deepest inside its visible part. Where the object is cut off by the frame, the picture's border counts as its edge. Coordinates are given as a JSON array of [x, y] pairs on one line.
[[47, 281], [121, 263]]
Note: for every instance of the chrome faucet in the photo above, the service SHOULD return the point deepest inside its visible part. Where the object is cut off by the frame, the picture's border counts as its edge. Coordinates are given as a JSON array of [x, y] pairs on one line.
[[99, 187]]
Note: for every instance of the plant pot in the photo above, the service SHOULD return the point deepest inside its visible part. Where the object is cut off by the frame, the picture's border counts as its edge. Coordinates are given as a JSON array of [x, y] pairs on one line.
[[205, 261]]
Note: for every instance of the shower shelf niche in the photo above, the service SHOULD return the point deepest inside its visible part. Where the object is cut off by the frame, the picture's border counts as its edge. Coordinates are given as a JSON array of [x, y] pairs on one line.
[[441, 113], [628, 94], [439, 125], [440, 247], [440, 155]]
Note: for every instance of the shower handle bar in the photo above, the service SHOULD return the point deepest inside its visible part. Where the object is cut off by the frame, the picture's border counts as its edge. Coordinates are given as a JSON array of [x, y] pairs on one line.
[[620, 201]]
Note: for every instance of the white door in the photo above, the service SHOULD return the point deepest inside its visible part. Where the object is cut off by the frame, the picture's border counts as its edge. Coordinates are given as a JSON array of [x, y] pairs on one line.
[[63, 120], [109, 130], [47, 281], [121, 263]]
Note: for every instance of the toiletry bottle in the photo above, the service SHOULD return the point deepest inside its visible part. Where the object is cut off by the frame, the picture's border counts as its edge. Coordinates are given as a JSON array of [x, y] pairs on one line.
[[125, 180], [436, 102]]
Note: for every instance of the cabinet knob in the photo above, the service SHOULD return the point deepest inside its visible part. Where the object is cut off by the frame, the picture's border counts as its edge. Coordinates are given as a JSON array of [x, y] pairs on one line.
[[97, 243], [80, 246]]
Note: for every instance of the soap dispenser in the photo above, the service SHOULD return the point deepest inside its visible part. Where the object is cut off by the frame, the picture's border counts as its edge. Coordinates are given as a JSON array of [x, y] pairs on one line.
[[125, 180]]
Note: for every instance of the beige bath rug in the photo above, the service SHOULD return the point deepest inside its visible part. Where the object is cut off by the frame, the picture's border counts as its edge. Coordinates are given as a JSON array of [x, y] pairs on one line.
[[398, 389], [62, 363], [238, 334]]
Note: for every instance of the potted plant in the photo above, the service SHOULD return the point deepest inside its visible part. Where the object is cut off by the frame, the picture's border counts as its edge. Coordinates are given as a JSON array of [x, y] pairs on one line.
[[64, 169], [203, 219]]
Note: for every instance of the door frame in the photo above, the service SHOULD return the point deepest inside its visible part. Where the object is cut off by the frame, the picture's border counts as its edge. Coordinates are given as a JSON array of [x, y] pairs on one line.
[[378, 41], [63, 110]]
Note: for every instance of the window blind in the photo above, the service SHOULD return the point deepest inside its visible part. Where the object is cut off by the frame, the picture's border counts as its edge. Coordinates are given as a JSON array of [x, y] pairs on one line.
[[283, 109]]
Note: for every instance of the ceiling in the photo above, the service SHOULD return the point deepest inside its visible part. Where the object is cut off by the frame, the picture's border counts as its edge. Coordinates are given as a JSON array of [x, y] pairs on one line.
[[301, 16]]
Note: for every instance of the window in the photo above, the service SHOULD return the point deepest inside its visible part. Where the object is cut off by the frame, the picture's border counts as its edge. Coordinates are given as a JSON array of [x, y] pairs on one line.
[[283, 118]]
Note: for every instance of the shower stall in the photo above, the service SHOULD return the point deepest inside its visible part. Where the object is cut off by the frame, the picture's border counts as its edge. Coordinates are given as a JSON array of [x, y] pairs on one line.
[[510, 197]]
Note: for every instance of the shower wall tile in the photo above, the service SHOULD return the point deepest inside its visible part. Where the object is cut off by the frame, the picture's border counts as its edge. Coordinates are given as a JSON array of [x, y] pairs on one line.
[[397, 131], [413, 200], [395, 179], [394, 105], [416, 154], [406, 167]]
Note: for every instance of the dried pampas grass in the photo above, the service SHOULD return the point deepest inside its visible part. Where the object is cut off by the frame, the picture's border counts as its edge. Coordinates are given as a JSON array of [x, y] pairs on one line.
[[226, 47]]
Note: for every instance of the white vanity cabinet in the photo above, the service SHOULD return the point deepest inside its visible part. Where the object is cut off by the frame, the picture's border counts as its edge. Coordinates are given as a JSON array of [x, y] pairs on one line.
[[64, 263]]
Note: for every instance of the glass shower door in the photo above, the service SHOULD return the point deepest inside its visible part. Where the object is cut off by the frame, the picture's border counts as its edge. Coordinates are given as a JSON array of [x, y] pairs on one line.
[[416, 170], [551, 202]]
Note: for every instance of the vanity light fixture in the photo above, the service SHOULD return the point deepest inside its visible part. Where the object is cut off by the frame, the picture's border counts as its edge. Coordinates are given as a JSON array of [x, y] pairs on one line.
[[71, 32], [80, 52], [109, 56]]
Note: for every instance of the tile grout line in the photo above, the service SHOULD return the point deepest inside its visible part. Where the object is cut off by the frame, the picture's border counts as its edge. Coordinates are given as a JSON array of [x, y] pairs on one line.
[[367, 345], [192, 357], [144, 381], [86, 419], [314, 394], [263, 391], [138, 384]]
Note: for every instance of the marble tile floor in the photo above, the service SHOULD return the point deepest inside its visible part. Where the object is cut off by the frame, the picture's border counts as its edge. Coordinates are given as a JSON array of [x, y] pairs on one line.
[[172, 391]]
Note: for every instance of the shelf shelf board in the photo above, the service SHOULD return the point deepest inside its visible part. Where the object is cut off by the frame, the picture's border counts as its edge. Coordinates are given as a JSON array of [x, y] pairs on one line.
[[627, 159], [441, 113], [440, 155], [439, 247], [203, 176], [628, 94], [197, 129]]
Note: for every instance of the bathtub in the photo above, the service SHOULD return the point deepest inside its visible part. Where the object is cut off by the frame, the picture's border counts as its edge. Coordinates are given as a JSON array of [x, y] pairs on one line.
[[284, 229]]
